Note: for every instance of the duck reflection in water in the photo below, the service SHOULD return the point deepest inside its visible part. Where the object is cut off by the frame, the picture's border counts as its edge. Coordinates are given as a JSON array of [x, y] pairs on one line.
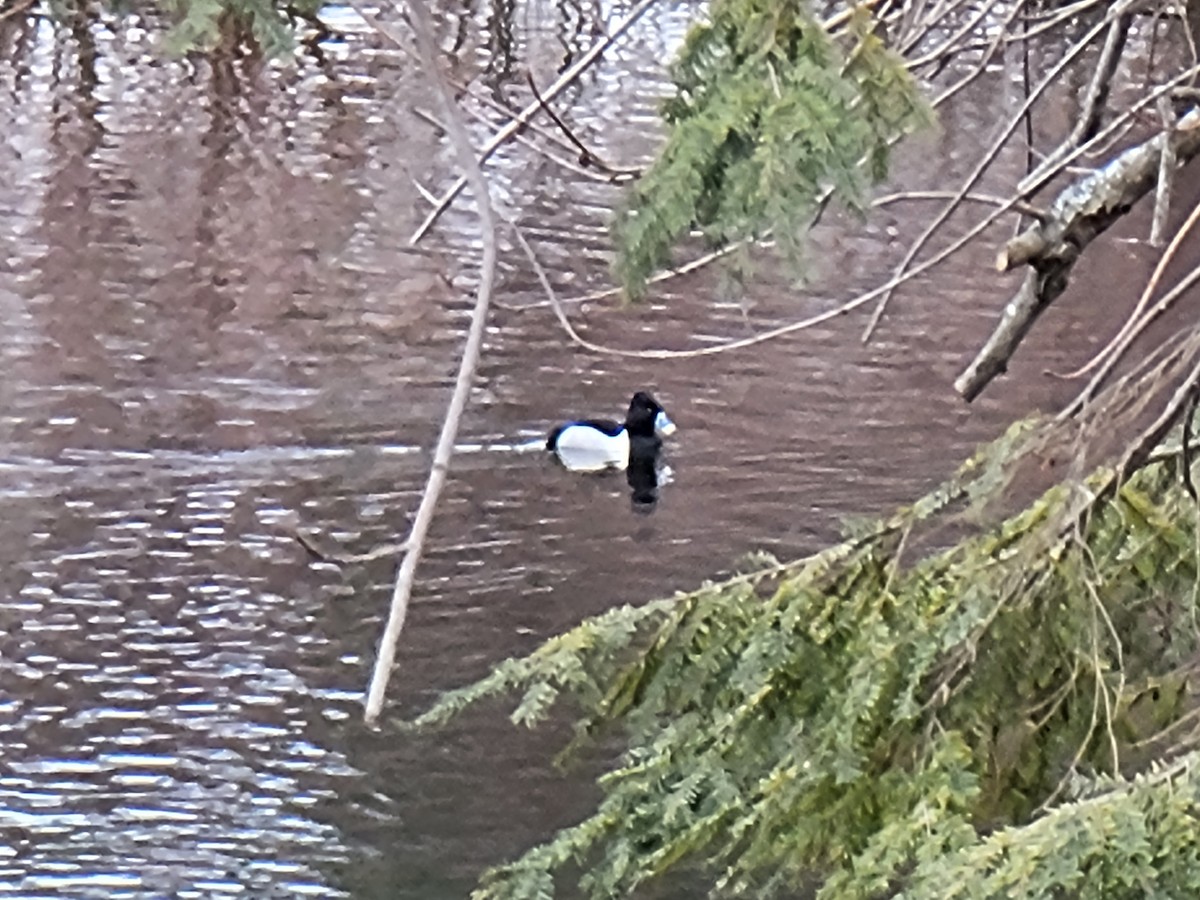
[[635, 445]]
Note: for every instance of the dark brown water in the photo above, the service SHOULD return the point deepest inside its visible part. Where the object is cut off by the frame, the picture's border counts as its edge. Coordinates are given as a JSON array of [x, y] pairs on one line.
[[213, 324]]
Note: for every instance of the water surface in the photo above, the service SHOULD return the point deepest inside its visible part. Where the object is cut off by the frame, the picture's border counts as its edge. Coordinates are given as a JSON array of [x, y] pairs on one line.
[[215, 327]]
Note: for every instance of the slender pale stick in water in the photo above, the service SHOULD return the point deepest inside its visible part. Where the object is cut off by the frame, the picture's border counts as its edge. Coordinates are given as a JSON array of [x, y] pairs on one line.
[[457, 131]]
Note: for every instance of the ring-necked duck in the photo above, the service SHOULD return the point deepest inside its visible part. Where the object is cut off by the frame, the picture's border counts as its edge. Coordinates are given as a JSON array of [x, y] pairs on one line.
[[591, 445]]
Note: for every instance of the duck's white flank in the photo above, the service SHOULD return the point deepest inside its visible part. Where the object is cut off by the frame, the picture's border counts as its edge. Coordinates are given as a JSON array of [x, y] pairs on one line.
[[584, 448]]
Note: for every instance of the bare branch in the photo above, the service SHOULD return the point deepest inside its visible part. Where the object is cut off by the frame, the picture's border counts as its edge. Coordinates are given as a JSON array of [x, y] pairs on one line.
[[518, 122], [569, 165], [457, 130], [16, 9], [1136, 322], [1097, 94], [1182, 400], [586, 156], [1084, 210], [1118, 346], [1166, 168], [533, 127], [984, 162]]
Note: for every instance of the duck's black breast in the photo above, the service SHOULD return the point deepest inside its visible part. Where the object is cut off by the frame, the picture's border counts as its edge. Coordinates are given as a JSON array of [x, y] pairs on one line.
[[644, 445], [605, 426], [642, 472]]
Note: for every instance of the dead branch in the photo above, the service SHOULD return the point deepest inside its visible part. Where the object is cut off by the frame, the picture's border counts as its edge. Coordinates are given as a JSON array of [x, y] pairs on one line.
[[1185, 446], [1137, 321], [1118, 347], [1080, 213], [532, 127], [1166, 165], [457, 131], [1096, 99], [586, 156], [16, 9], [984, 162], [521, 139], [323, 553], [1184, 398]]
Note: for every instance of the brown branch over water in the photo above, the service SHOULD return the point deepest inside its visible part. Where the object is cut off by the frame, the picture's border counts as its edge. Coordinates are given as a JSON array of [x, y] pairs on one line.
[[16, 9], [986, 160], [586, 156], [402, 590], [1081, 212]]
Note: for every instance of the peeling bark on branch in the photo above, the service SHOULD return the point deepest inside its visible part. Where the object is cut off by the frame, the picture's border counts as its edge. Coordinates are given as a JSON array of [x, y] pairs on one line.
[[1082, 212]]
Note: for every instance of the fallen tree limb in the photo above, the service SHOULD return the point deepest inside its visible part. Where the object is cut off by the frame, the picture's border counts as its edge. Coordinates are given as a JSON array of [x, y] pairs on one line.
[[1082, 212], [457, 131]]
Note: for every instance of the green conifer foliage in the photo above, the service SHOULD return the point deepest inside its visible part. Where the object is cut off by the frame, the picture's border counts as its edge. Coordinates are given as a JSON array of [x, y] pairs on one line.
[[201, 24], [772, 116], [205, 25], [1008, 717]]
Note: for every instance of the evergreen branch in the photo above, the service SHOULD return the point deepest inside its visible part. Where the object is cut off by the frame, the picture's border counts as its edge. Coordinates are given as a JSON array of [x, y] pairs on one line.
[[769, 114], [1150, 819], [765, 734]]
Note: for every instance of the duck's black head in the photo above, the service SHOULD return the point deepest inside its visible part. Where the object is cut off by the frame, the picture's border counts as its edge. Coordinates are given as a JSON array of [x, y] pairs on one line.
[[646, 417]]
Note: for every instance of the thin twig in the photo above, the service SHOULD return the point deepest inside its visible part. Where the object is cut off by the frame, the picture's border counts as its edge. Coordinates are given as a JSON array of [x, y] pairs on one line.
[[518, 122], [328, 554], [1133, 324], [984, 162], [952, 47], [1184, 396], [1089, 558], [1022, 207], [1164, 303], [16, 9], [457, 131], [687, 268], [586, 156], [1073, 765], [508, 112], [1166, 171], [569, 165], [909, 42], [1098, 90], [1186, 446]]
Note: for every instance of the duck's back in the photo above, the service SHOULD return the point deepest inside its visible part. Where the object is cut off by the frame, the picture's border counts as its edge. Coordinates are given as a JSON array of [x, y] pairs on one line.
[[590, 444]]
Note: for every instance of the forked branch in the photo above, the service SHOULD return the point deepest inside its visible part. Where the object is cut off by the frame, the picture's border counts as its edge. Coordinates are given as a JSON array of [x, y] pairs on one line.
[[1082, 212]]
